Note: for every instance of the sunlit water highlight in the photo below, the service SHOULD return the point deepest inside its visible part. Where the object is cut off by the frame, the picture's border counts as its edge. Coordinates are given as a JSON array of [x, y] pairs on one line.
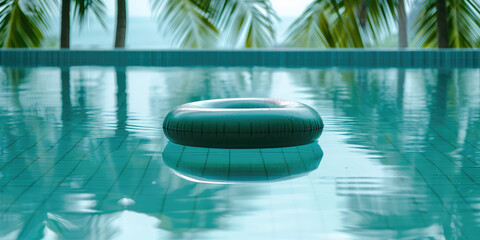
[[81, 156]]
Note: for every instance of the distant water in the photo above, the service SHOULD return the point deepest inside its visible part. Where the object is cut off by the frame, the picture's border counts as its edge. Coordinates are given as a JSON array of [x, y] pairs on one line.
[[142, 33]]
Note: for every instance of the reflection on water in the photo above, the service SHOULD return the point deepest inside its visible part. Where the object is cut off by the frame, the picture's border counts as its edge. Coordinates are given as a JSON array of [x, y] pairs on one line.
[[81, 156], [217, 165]]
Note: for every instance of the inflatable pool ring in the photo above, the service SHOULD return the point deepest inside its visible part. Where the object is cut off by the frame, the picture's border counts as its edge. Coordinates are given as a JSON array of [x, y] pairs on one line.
[[243, 123], [216, 165]]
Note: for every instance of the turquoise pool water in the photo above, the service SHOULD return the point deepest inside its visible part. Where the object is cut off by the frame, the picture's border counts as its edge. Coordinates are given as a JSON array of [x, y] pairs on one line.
[[82, 156]]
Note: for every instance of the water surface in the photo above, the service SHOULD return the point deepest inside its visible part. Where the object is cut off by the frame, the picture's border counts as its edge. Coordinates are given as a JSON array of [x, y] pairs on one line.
[[81, 156]]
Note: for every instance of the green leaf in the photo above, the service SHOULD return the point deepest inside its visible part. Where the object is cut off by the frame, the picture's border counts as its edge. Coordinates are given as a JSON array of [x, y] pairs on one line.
[[246, 23], [90, 11], [463, 17], [186, 23], [342, 23], [23, 23]]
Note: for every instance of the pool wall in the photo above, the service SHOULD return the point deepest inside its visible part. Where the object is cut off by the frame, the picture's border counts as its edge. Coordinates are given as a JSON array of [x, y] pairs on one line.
[[463, 58]]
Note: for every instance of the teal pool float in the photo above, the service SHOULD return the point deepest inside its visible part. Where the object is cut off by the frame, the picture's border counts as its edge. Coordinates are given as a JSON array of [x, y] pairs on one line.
[[243, 123]]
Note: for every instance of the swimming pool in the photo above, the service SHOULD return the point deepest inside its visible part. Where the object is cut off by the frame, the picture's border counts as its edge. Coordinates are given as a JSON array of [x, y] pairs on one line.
[[81, 155]]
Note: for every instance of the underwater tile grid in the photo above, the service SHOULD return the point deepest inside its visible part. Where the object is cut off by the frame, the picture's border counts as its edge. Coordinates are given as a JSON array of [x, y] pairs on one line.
[[83, 156]]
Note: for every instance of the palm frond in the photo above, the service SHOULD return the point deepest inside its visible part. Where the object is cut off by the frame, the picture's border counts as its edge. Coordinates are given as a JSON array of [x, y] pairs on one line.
[[342, 23], [246, 23], [381, 18], [348, 25], [185, 22], [312, 29], [426, 25], [23, 23], [89, 11], [323, 24], [463, 24]]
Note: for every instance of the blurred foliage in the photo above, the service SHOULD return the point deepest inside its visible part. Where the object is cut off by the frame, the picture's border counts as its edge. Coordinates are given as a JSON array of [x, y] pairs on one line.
[[247, 23], [199, 23], [362, 23], [89, 11], [348, 23], [342, 23], [463, 24], [186, 23], [24, 23], [250, 23]]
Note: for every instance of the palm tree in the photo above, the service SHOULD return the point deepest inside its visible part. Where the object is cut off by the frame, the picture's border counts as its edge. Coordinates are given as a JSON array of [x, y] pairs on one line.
[[449, 23], [121, 24], [341, 23], [402, 25], [82, 9], [24, 23], [65, 25], [359, 23], [442, 24], [197, 23]]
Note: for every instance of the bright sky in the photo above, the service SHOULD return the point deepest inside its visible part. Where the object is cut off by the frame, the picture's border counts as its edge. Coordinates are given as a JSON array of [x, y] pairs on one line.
[[141, 8]]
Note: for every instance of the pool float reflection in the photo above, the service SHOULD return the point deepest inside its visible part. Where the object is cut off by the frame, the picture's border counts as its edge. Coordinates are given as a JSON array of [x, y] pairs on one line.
[[224, 166]]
